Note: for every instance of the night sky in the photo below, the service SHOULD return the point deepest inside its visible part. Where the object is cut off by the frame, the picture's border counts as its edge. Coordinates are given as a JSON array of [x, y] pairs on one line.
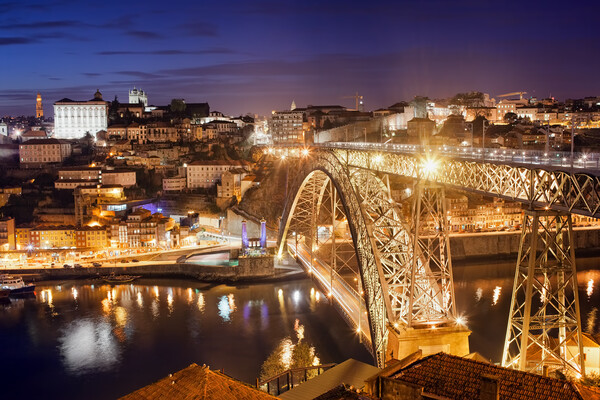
[[255, 56]]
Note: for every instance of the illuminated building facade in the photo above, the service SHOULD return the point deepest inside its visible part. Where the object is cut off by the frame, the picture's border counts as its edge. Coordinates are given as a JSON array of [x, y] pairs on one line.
[[39, 110], [286, 127], [37, 152], [73, 119], [138, 96]]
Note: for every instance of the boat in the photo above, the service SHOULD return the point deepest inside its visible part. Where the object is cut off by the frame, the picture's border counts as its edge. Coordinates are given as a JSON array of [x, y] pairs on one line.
[[112, 278], [4, 293], [15, 284]]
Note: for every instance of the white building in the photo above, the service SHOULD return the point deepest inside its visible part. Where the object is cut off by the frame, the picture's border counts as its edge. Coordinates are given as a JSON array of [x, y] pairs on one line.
[[138, 96], [206, 174], [70, 178], [43, 151], [174, 184], [125, 178], [73, 119], [3, 129]]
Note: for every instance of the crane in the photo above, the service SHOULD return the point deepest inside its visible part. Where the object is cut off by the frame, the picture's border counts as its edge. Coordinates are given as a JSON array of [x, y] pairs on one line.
[[357, 98], [512, 94]]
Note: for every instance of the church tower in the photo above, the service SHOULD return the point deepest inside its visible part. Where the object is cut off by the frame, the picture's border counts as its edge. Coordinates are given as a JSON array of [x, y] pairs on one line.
[[39, 110]]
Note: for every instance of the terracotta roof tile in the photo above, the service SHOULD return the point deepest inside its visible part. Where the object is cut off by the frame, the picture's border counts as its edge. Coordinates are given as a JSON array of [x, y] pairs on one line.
[[196, 382], [459, 378]]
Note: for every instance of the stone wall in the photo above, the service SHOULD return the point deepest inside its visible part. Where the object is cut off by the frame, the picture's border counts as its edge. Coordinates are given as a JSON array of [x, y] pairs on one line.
[[205, 273], [256, 266], [505, 244], [233, 225]]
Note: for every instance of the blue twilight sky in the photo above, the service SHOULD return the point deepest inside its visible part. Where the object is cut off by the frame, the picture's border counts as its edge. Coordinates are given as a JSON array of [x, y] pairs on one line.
[[257, 55]]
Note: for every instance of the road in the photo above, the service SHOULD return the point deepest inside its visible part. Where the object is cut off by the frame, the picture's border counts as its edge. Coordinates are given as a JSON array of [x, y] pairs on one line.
[[348, 298]]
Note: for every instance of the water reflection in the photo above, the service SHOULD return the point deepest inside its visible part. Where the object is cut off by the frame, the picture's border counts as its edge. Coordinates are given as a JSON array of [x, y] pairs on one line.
[[200, 302], [170, 301], [591, 321], [478, 294], [590, 288], [226, 307], [124, 331], [87, 346], [496, 296]]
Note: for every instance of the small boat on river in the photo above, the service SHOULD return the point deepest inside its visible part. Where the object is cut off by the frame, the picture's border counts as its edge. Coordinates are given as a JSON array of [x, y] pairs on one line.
[[112, 278], [15, 285], [4, 293]]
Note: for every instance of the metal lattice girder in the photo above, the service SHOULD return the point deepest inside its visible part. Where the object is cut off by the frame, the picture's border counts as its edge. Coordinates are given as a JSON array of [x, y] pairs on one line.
[[401, 289], [312, 175], [544, 322], [431, 283], [578, 193]]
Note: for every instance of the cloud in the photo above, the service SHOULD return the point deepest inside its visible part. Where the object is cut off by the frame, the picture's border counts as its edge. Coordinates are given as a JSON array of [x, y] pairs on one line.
[[216, 50], [7, 41], [143, 34], [139, 74], [42, 25], [200, 29]]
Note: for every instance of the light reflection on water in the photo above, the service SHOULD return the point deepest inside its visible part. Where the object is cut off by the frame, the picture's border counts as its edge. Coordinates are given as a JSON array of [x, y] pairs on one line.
[[152, 330], [88, 346]]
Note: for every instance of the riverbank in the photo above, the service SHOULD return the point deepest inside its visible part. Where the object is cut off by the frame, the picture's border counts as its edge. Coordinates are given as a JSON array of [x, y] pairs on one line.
[[201, 273], [473, 247]]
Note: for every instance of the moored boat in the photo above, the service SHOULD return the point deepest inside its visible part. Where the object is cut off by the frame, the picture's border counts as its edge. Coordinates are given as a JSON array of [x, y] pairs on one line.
[[15, 285], [4, 293], [112, 278]]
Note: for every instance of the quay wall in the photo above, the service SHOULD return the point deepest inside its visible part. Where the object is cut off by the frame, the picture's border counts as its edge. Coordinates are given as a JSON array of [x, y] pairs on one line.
[[506, 244], [248, 270]]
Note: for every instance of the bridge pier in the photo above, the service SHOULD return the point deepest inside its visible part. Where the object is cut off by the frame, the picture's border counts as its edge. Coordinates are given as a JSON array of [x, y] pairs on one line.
[[449, 339], [544, 327]]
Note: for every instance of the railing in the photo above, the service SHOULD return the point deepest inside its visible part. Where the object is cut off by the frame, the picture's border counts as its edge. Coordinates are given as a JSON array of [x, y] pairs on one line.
[[586, 160], [291, 378]]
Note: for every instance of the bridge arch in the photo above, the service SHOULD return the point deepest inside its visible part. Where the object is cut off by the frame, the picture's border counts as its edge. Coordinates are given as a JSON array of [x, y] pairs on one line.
[[382, 243], [308, 187]]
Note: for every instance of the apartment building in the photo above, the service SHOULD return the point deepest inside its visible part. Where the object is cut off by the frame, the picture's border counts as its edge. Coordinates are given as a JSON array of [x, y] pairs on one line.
[[40, 152], [206, 174]]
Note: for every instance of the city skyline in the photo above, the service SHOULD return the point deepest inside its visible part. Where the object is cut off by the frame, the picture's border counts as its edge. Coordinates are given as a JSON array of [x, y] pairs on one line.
[[256, 58]]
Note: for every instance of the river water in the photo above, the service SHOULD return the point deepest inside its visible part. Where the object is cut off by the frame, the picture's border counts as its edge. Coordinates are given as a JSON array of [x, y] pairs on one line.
[[86, 339]]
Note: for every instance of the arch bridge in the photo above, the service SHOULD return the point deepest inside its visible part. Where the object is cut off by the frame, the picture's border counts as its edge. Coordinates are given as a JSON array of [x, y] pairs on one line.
[[341, 221]]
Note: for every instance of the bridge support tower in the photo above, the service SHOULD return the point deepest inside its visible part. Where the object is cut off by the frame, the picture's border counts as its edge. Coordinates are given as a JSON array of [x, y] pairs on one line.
[[544, 327], [432, 323]]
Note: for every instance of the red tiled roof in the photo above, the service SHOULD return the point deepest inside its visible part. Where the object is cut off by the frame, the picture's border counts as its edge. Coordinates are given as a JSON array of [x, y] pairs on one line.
[[196, 382], [459, 378]]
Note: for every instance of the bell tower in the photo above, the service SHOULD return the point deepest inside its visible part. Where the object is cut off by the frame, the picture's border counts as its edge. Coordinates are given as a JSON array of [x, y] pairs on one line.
[[39, 110]]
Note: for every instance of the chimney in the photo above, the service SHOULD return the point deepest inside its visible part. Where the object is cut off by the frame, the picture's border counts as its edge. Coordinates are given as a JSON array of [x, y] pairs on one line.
[[489, 388]]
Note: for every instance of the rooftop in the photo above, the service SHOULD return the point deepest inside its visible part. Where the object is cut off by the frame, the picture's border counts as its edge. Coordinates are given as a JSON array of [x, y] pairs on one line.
[[454, 377], [196, 382]]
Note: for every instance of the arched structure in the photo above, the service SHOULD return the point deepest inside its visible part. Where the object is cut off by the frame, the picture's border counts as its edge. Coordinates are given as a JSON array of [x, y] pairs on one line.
[[407, 282]]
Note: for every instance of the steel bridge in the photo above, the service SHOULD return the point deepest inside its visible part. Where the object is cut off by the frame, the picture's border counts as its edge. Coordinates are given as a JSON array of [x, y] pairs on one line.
[[401, 255]]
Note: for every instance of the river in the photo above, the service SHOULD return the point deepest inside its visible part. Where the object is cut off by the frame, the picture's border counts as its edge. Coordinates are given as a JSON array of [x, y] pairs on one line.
[[86, 339]]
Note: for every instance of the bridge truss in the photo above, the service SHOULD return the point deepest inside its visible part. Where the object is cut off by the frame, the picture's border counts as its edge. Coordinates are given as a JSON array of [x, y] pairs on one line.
[[402, 264], [406, 282]]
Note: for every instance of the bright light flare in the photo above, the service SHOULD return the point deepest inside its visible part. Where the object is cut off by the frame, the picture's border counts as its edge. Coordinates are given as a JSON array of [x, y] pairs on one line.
[[305, 152], [430, 166]]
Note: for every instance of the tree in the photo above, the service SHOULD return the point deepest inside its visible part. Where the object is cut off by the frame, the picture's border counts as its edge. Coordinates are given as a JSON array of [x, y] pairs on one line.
[[510, 117], [469, 99], [177, 107], [289, 355], [302, 355]]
